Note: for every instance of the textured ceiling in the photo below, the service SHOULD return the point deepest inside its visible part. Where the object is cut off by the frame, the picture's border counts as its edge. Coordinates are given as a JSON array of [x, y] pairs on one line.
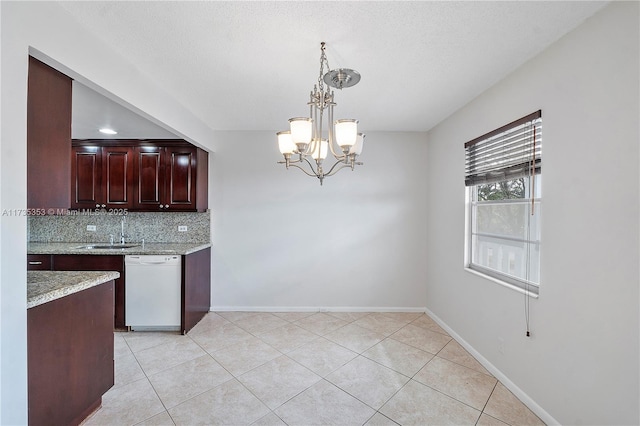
[[251, 65]]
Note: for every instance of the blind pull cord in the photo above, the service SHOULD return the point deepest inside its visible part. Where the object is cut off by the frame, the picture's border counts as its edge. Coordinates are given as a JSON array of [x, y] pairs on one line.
[[532, 178], [533, 170]]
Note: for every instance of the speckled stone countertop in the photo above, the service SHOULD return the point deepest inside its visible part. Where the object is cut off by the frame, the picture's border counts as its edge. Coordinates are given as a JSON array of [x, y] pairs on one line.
[[146, 249], [45, 286]]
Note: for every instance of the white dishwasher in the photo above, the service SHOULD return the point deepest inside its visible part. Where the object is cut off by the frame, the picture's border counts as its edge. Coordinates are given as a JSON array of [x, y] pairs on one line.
[[153, 292]]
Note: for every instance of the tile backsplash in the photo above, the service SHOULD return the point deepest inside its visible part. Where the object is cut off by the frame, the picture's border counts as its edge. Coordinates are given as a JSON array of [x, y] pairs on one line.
[[152, 227]]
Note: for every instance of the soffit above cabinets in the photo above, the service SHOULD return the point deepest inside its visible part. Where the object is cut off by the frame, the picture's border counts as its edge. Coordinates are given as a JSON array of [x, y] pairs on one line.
[[92, 111]]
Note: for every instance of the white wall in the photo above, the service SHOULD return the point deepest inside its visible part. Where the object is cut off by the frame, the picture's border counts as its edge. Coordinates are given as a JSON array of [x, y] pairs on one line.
[[48, 31], [581, 363], [281, 241]]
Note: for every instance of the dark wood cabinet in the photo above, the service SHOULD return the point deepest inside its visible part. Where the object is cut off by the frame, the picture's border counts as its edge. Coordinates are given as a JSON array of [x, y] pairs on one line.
[[88, 262], [70, 356], [139, 175], [171, 178], [196, 281], [39, 262], [196, 287], [86, 177], [149, 178], [117, 177], [180, 176], [48, 137], [101, 177]]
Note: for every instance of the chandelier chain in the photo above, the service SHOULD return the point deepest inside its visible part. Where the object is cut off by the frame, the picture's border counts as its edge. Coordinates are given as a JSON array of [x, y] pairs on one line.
[[323, 61]]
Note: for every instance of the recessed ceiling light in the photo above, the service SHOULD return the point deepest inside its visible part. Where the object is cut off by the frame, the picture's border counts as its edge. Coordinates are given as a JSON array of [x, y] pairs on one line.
[[108, 131]]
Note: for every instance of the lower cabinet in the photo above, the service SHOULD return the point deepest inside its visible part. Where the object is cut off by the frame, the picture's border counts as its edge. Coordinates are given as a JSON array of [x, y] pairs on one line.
[[196, 281], [70, 356], [89, 262], [196, 287]]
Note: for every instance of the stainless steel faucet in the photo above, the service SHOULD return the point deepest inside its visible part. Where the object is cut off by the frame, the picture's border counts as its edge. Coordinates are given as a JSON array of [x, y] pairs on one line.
[[122, 234]]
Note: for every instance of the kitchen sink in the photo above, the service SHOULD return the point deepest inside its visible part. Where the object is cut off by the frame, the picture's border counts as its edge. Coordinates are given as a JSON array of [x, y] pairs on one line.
[[107, 246]]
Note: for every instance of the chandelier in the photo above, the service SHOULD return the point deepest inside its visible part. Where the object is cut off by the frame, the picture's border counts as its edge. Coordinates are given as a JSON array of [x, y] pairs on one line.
[[305, 145]]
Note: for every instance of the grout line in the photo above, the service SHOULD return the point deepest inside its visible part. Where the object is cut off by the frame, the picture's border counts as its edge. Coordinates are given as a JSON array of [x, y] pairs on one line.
[[321, 378], [447, 395], [462, 365]]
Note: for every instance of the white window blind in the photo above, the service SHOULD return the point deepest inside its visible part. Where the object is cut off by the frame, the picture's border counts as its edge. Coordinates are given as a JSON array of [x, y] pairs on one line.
[[503, 171], [510, 152]]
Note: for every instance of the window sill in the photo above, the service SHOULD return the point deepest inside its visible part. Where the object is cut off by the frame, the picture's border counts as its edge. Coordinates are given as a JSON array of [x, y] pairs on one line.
[[502, 283]]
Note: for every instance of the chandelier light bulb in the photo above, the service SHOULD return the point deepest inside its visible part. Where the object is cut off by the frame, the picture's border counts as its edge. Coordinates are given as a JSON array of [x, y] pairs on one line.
[[320, 149], [301, 129], [285, 143], [357, 147], [346, 132]]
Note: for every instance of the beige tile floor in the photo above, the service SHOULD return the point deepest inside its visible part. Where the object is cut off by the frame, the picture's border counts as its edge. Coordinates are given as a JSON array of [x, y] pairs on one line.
[[248, 368]]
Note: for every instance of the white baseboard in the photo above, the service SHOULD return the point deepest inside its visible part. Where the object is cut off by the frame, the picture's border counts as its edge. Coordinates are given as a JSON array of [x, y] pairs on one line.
[[315, 309], [519, 393]]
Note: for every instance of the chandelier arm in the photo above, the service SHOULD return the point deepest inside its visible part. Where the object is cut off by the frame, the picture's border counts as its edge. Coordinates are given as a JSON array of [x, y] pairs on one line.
[[332, 138], [314, 170], [330, 130], [333, 172], [318, 121], [313, 112], [306, 172], [337, 156], [290, 161]]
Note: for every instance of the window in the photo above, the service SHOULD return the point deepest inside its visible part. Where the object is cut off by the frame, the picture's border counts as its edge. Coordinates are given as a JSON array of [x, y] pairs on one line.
[[504, 180]]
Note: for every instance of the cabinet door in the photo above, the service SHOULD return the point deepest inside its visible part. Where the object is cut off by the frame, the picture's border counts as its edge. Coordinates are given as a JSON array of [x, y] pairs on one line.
[[70, 356], [196, 288], [117, 177], [88, 262], [149, 178], [48, 137], [180, 193], [86, 177]]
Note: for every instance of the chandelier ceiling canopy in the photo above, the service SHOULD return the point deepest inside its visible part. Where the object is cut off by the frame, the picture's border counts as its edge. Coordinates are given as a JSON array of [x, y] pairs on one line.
[[305, 145]]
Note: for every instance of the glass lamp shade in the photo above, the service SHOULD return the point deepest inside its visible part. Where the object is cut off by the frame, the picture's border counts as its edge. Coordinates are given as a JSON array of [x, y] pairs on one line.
[[357, 147], [346, 132], [301, 129], [319, 149], [285, 143]]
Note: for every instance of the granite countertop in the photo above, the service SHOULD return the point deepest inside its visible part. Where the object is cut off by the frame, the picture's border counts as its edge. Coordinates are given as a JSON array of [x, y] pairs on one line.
[[146, 249], [45, 286]]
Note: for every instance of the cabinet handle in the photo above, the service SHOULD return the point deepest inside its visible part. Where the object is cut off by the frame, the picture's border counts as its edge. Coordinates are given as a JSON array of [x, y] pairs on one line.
[[161, 206], [104, 205], [31, 262], [97, 206], [166, 206]]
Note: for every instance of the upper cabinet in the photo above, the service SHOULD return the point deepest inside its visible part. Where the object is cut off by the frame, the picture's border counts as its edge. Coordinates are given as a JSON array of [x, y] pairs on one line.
[[185, 178], [160, 175], [149, 169], [48, 137], [101, 177]]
